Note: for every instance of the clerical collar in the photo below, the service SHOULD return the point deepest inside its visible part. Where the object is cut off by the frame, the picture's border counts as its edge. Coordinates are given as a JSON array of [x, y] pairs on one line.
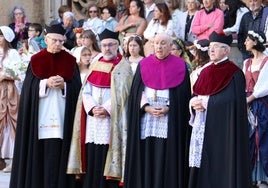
[[114, 61], [210, 10], [222, 60]]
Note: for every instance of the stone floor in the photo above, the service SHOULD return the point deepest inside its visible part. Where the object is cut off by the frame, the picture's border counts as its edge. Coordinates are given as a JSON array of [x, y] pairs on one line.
[[4, 178]]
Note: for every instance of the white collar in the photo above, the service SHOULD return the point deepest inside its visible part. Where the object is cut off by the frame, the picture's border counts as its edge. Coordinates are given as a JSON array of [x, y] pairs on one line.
[[150, 8], [223, 59]]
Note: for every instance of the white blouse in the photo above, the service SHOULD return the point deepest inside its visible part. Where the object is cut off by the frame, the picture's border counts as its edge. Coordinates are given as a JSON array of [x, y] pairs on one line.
[[239, 14], [154, 27]]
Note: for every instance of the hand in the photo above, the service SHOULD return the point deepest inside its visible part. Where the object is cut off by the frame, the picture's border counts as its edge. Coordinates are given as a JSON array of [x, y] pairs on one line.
[[21, 50], [197, 105], [157, 112], [21, 26], [210, 26], [2, 76], [100, 112], [55, 82], [131, 25]]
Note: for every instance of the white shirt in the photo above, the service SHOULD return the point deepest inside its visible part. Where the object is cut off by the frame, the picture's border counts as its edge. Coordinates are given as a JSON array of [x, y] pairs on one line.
[[239, 14], [155, 27], [148, 10], [95, 24]]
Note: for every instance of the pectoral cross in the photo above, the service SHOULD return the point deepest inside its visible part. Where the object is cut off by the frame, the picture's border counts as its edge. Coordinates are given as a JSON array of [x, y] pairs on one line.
[[155, 95], [100, 97]]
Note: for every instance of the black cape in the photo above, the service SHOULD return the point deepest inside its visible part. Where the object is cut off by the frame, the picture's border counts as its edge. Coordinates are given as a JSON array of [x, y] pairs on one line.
[[176, 150], [225, 155], [28, 161]]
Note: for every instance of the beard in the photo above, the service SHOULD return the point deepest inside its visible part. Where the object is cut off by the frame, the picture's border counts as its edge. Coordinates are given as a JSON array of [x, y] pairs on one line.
[[254, 9]]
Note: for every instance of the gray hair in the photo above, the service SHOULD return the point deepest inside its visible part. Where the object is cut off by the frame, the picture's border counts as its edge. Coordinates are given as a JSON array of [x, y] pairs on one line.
[[12, 14], [68, 15]]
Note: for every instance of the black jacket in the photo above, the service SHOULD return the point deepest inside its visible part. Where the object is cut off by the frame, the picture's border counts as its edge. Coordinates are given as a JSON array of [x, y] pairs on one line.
[[248, 22]]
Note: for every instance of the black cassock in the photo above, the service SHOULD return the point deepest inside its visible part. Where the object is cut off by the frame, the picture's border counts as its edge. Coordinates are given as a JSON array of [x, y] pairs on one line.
[[43, 163], [144, 157], [225, 154]]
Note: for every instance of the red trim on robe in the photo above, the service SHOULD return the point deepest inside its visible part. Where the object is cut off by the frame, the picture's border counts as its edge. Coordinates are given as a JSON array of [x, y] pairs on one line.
[[45, 64], [215, 78], [83, 137], [102, 79]]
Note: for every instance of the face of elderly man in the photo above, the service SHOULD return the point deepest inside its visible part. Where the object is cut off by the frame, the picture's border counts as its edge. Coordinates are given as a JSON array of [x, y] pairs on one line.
[[218, 51], [254, 5], [67, 20], [162, 45], [208, 4], [54, 42], [191, 4], [109, 48]]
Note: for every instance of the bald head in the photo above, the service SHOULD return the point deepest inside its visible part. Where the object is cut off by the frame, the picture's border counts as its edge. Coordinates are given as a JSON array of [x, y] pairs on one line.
[[162, 45]]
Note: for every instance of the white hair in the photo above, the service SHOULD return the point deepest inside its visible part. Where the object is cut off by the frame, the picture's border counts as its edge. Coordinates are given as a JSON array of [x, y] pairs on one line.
[[68, 14]]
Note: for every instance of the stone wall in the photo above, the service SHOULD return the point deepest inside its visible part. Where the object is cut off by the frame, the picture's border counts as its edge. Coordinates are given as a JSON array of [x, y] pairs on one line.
[[33, 8]]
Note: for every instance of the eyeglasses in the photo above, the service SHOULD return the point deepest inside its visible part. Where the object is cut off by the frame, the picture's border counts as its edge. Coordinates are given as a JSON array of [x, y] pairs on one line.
[[135, 37], [31, 30], [56, 40], [216, 46], [109, 45], [84, 55], [93, 11]]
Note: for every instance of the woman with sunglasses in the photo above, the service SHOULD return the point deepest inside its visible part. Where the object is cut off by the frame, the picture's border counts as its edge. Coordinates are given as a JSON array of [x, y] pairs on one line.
[[94, 22]]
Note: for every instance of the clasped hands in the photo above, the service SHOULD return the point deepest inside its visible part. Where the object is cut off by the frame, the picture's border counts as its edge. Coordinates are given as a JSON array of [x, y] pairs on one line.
[[197, 105], [100, 112], [157, 111], [55, 82]]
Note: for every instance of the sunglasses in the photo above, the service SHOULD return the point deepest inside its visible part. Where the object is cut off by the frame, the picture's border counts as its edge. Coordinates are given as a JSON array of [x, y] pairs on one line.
[[135, 37]]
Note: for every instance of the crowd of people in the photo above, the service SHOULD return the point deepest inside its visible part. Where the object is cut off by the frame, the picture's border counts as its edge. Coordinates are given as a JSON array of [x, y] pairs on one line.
[[147, 100]]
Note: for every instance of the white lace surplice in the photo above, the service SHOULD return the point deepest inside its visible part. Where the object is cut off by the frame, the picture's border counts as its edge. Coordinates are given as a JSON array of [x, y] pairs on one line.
[[97, 129], [197, 121], [155, 126]]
